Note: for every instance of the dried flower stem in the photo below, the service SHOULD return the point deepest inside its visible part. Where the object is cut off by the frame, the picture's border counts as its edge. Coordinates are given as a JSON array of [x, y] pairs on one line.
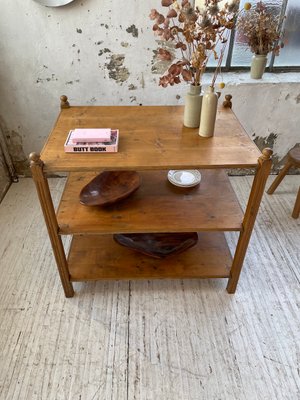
[[218, 68], [196, 33]]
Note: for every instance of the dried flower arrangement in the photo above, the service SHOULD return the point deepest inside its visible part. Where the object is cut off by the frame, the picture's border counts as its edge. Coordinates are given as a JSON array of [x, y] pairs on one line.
[[261, 29], [196, 34]]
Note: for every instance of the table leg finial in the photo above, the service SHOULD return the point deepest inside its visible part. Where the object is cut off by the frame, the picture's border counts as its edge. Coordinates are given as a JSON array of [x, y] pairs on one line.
[[266, 154], [64, 102], [227, 102], [35, 159]]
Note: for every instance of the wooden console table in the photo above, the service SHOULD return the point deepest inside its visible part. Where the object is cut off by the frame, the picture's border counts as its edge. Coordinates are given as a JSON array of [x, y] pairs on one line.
[[152, 140]]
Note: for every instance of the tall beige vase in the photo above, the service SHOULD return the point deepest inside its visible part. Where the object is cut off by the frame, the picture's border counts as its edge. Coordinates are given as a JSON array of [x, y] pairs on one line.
[[192, 107], [258, 66], [208, 113]]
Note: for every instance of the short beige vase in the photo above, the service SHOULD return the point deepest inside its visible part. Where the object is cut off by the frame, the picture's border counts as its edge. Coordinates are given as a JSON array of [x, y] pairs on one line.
[[208, 113], [192, 107], [258, 66]]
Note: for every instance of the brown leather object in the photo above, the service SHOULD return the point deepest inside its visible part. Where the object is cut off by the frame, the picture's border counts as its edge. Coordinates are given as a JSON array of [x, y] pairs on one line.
[[158, 245], [109, 187]]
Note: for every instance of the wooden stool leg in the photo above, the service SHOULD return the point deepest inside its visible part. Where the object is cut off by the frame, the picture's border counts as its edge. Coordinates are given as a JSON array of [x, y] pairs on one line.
[[296, 210], [279, 177]]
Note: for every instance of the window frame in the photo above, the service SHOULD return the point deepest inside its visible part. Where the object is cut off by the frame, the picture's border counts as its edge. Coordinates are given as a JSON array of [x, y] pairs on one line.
[[270, 68]]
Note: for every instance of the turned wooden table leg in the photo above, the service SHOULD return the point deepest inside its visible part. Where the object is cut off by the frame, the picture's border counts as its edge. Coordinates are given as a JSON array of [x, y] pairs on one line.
[[296, 210], [43, 191], [258, 186]]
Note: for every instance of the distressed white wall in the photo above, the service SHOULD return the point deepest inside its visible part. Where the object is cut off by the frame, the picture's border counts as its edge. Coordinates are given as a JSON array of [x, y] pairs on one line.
[[102, 52], [269, 110]]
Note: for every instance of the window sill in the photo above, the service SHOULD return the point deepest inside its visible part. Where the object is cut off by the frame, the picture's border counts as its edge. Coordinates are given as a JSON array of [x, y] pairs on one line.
[[238, 78]]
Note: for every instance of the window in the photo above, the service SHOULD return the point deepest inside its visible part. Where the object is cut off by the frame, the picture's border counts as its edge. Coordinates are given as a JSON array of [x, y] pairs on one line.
[[238, 55], [290, 54]]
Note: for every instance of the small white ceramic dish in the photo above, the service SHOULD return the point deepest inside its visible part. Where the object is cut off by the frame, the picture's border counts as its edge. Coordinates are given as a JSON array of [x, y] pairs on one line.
[[184, 177], [54, 3]]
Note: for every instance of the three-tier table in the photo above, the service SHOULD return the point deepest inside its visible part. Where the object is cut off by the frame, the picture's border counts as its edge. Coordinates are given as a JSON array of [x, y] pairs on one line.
[[152, 141]]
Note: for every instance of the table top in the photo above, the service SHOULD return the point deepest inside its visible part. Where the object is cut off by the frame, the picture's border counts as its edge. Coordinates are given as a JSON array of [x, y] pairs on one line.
[[151, 137]]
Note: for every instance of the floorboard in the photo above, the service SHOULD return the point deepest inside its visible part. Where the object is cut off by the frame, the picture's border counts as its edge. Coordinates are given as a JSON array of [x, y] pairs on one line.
[[151, 339]]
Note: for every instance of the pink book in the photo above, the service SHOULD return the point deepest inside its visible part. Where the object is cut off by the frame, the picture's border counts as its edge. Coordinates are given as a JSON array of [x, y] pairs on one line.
[[90, 135], [93, 147]]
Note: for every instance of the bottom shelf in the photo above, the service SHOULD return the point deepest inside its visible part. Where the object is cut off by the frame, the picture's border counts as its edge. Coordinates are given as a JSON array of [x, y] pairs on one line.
[[96, 257]]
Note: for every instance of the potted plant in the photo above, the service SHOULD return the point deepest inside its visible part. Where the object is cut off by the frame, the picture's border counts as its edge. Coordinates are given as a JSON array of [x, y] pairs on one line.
[[194, 35], [261, 31]]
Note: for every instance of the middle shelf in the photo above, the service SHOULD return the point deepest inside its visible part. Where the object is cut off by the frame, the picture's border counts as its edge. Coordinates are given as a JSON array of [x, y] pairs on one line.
[[157, 206]]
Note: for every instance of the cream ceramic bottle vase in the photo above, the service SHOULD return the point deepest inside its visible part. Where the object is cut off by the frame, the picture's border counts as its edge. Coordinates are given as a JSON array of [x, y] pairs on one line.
[[208, 112], [258, 65], [192, 107]]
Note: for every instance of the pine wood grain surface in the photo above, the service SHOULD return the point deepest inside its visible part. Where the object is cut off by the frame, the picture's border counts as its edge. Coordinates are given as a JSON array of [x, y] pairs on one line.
[[151, 339], [157, 206], [151, 137], [95, 257]]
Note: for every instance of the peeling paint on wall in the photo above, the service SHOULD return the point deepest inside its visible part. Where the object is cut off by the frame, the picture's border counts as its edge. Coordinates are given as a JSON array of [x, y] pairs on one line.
[[14, 144], [48, 79], [143, 81], [106, 50], [15, 147], [133, 30], [71, 82], [117, 71], [267, 141]]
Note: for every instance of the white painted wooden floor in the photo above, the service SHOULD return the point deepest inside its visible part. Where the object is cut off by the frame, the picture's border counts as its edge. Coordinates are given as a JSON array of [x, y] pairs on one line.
[[151, 340]]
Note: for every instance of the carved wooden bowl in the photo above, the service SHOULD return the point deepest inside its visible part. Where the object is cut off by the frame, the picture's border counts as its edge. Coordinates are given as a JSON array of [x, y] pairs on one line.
[[158, 245], [109, 187]]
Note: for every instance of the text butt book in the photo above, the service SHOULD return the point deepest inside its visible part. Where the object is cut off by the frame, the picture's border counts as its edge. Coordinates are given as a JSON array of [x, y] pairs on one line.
[[97, 147]]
